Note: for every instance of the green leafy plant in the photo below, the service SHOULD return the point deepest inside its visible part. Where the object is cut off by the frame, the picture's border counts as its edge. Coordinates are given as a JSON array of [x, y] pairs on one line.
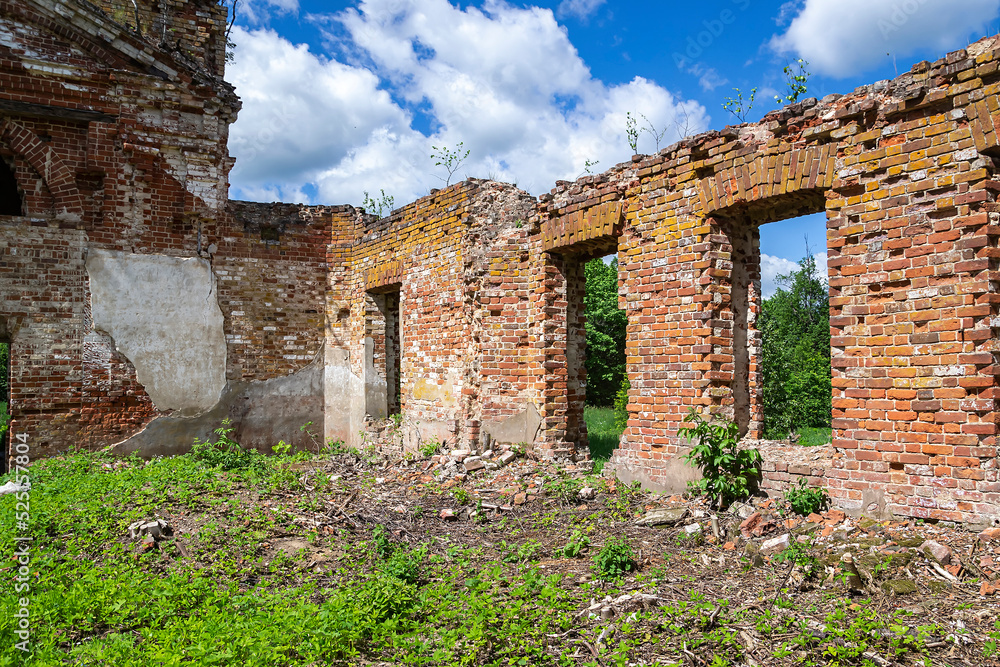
[[226, 453], [429, 448], [587, 164], [282, 448], [796, 77], [806, 500], [449, 159], [800, 554], [381, 207], [382, 546], [728, 472], [563, 488], [632, 132], [519, 553], [578, 543], [620, 502], [460, 495], [615, 559], [739, 107], [405, 565]]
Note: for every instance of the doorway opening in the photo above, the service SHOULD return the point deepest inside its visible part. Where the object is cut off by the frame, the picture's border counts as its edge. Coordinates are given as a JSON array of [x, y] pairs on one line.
[[793, 331], [606, 406], [10, 196], [383, 329]]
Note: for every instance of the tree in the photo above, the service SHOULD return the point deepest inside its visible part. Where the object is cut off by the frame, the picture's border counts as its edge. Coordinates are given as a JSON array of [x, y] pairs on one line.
[[795, 360], [605, 332]]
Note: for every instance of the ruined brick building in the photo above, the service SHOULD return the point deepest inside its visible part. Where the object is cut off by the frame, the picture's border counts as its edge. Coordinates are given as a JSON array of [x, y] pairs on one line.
[[143, 307]]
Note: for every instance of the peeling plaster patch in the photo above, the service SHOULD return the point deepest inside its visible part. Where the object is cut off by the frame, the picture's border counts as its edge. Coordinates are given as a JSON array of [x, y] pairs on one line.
[[163, 314], [522, 427], [264, 413]]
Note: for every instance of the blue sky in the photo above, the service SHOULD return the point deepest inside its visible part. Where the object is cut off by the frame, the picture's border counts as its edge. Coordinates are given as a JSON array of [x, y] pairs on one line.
[[340, 98]]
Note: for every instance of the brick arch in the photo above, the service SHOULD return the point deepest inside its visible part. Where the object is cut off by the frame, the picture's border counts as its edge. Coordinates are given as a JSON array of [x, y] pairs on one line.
[[758, 178], [53, 171]]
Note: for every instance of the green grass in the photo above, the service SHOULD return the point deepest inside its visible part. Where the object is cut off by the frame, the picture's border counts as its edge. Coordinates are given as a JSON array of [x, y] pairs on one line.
[[602, 434], [98, 599], [811, 437], [219, 592]]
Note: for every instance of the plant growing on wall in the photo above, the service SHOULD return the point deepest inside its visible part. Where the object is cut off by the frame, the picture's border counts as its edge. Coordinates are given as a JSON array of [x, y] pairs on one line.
[[380, 207], [796, 77], [739, 107], [728, 472], [449, 159], [632, 132]]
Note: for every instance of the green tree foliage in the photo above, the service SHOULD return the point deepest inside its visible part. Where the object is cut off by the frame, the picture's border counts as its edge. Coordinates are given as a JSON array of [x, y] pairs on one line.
[[605, 333], [795, 361]]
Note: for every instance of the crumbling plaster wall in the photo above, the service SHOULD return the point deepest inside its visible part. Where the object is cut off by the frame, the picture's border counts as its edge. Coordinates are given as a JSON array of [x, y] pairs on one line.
[[118, 143]]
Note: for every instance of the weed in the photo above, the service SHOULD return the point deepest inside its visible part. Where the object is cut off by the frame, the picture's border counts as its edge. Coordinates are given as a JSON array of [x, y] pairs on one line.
[[449, 159], [281, 448], [739, 107], [728, 472], [460, 495], [313, 435], [796, 76], [632, 132], [991, 647], [578, 543], [379, 208], [226, 453], [614, 559], [805, 500], [513, 553], [430, 448], [620, 502], [382, 546], [563, 488], [405, 565], [621, 404], [799, 553]]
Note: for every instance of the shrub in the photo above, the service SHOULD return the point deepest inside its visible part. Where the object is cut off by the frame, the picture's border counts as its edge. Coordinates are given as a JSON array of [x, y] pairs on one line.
[[225, 452], [805, 500], [614, 559], [728, 472]]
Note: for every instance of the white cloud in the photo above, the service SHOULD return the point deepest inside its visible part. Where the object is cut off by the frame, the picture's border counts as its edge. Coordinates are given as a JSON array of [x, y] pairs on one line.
[[846, 37], [710, 79], [259, 12], [771, 267], [505, 81], [582, 9]]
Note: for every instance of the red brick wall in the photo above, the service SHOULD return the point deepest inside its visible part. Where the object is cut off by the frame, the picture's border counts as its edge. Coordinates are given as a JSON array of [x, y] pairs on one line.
[[96, 146]]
